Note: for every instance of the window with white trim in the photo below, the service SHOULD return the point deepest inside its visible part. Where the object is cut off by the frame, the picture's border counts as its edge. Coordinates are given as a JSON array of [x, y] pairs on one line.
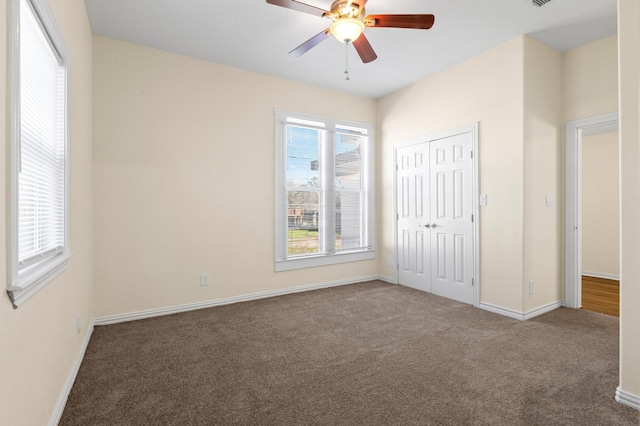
[[38, 241], [324, 191]]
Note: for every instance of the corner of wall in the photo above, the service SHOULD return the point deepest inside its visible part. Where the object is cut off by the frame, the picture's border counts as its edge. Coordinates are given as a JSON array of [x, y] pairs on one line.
[[543, 171], [629, 46]]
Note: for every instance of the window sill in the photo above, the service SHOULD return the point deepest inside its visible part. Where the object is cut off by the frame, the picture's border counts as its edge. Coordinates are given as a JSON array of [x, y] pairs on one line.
[[323, 260], [32, 281]]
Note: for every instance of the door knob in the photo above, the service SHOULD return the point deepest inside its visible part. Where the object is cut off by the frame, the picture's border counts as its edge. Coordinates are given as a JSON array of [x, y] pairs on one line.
[[433, 225]]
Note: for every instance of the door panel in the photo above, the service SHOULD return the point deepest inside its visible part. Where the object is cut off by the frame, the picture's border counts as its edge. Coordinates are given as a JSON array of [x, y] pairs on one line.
[[413, 235], [452, 252]]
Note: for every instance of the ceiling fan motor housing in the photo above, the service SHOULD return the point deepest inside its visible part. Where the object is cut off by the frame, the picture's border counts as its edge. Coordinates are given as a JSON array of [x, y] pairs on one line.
[[339, 9]]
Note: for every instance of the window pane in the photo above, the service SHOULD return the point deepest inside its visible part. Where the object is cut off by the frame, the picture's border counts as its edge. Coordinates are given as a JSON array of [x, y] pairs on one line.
[[349, 215], [348, 161], [303, 157], [303, 217], [349, 220], [303, 182]]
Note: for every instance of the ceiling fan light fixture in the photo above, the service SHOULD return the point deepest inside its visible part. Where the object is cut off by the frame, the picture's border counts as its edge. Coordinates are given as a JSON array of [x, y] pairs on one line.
[[347, 29]]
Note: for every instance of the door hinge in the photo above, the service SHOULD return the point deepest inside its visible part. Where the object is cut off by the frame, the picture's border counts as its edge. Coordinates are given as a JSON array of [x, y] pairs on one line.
[[398, 266], [472, 155], [473, 282], [471, 218], [397, 167], [397, 216]]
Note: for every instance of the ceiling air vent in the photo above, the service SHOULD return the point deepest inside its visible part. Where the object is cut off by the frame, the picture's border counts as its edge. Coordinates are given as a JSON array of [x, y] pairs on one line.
[[539, 3]]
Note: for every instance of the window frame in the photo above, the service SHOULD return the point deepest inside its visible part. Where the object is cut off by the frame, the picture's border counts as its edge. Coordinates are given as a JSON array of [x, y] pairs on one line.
[[23, 283], [283, 262]]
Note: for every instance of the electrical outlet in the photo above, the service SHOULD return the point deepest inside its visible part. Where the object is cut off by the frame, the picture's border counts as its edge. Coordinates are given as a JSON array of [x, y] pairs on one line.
[[483, 199], [204, 279], [548, 201], [78, 324], [532, 287]]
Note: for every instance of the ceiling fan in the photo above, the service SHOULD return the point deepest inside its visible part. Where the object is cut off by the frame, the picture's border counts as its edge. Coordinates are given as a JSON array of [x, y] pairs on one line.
[[349, 22]]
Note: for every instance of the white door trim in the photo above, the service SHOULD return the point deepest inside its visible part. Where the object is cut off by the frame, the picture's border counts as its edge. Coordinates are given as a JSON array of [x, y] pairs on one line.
[[473, 129], [573, 200]]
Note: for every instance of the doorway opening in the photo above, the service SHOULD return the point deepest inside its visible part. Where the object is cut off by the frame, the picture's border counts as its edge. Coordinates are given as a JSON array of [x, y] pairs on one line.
[[591, 227]]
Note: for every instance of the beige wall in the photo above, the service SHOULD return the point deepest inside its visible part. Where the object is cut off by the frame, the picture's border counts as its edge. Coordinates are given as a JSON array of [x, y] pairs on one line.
[[629, 45], [39, 344], [590, 79], [600, 205], [543, 169], [184, 178], [486, 89]]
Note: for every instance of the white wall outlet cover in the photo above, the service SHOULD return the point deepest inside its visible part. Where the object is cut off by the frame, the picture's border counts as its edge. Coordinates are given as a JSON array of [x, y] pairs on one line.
[[204, 279], [483, 199]]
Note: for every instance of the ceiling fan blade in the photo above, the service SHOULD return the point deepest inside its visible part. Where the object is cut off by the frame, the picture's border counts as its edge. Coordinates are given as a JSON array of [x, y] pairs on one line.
[[364, 49], [299, 6], [311, 43], [422, 22], [361, 5]]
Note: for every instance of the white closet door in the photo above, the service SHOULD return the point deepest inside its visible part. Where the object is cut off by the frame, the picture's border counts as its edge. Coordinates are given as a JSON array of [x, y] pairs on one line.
[[434, 225]]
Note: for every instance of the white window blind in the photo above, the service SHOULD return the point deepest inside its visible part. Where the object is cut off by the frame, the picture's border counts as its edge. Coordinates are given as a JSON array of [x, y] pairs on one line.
[[325, 198], [350, 195], [38, 223], [42, 144]]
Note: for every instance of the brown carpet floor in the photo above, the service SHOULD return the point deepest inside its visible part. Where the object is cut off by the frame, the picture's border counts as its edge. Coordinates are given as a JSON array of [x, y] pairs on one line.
[[363, 354]]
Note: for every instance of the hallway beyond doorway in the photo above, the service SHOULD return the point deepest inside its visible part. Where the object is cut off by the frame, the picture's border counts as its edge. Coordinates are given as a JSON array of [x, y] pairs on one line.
[[601, 295]]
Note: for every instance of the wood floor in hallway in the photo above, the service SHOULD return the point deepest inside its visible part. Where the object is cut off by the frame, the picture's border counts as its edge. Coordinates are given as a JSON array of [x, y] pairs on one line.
[[601, 295]]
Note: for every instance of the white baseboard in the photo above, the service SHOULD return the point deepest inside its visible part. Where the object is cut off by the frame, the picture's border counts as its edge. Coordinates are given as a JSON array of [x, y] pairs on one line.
[[542, 310], [522, 316], [132, 316], [62, 399], [601, 275], [627, 398], [386, 279], [501, 311]]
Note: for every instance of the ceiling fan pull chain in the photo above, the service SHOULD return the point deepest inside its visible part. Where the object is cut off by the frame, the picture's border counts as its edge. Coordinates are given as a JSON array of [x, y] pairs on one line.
[[346, 59]]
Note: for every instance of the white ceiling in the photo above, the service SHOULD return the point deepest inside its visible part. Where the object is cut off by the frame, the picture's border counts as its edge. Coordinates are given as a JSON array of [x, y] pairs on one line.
[[256, 36]]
